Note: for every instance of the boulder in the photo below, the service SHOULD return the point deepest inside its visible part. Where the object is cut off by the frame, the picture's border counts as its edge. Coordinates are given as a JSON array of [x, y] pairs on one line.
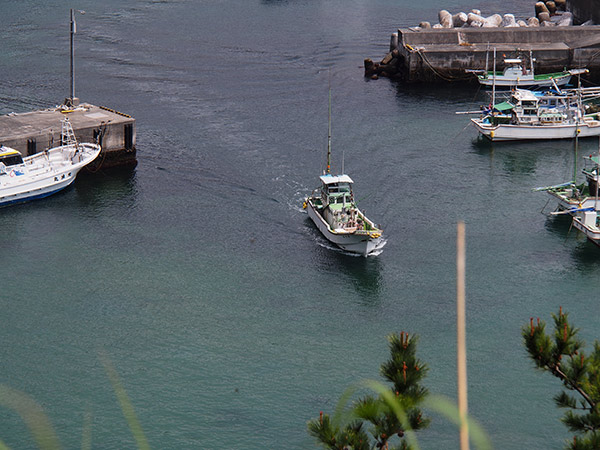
[[551, 7], [387, 58], [458, 20], [547, 23], [521, 23], [540, 7], [509, 21], [533, 22], [475, 20], [493, 21], [544, 17], [476, 11], [445, 18], [425, 25], [561, 5], [394, 42], [437, 25]]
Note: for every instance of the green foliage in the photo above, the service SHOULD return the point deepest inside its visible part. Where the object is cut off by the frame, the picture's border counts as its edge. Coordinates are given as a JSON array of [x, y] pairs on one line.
[[334, 438], [561, 355], [390, 414]]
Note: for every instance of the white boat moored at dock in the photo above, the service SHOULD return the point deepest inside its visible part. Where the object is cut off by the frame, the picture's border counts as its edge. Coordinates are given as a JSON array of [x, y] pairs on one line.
[[44, 173]]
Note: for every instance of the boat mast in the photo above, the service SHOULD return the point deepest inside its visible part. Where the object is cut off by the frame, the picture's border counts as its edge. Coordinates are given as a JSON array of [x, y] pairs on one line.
[[329, 137], [531, 61], [577, 130], [494, 81], [597, 178]]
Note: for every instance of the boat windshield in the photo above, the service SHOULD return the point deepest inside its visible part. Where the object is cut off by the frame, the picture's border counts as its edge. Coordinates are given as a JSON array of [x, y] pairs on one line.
[[11, 160], [340, 187], [340, 199]]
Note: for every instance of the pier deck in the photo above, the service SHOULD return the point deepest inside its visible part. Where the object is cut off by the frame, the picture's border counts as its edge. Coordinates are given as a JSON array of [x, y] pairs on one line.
[[35, 131]]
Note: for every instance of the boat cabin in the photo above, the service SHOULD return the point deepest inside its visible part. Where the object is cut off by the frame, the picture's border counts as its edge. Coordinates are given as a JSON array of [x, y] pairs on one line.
[[336, 191], [526, 106], [515, 69], [9, 157]]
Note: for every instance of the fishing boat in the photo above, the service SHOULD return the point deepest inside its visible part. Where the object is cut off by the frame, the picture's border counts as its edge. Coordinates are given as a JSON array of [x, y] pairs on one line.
[[588, 222], [333, 209], [44, 173], [516, 74], [532, 115]]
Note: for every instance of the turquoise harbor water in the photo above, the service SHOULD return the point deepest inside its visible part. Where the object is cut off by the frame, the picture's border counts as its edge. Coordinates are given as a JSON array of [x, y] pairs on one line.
[[229, 319]]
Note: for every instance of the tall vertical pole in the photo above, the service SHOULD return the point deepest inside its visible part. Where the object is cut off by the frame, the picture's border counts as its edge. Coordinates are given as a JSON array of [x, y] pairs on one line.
[[494, 81], [461, 353], [72, 56], [329, 136]]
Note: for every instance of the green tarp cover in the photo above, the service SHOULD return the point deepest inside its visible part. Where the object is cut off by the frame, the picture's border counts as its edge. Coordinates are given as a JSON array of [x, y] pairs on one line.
[[504, 106]]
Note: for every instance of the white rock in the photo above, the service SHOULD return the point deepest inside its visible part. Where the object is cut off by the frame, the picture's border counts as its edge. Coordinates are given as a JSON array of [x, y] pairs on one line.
[[458, 20], [509, 21], [445, 18]]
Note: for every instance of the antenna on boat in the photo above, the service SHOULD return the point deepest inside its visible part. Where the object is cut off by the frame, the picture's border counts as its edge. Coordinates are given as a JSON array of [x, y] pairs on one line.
[[329, 134]]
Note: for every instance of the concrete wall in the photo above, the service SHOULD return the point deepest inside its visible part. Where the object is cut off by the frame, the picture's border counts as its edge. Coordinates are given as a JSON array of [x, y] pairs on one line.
[[514, 36], [445, 54]]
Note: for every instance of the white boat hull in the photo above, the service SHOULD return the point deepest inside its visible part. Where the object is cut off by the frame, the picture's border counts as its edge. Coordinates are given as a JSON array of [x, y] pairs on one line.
[[44, 173], [526, 81], [510, 132], [362, 243], [565, 202], [590, 230]]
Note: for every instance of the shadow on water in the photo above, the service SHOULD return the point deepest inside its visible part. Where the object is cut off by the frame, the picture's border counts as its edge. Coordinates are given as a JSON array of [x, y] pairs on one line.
[[521, 157], [560, 226], [587, 257], [459, 95], [114, 187], [363, 273]]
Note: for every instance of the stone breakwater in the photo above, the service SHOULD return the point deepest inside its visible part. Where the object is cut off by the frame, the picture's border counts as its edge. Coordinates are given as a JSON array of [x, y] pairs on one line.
[[445, 54], [461, 41], [547, 14]]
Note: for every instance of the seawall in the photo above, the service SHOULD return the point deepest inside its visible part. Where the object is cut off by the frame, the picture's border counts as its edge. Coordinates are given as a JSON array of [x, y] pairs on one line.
[[441, 55]]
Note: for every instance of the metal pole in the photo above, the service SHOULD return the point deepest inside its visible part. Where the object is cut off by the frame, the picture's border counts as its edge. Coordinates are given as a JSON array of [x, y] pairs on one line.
[[494, 81], [72, 56], [461, 353]]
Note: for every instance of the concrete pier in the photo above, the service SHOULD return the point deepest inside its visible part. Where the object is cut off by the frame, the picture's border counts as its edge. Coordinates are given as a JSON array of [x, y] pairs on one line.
[[441, 55], [33, 132]]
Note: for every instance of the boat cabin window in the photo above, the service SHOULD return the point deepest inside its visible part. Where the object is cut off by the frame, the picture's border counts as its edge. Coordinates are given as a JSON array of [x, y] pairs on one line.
[[11, 160], [336, 188], [340, 199]]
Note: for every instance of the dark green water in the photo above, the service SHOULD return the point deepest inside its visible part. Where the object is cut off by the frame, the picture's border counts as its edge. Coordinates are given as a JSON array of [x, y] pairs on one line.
[[228, 318]]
